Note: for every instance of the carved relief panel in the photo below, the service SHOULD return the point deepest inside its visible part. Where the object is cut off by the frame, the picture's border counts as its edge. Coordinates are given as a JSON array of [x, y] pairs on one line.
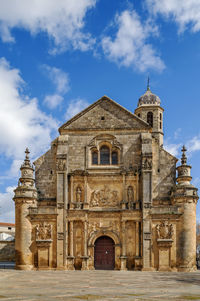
[[104, 197]]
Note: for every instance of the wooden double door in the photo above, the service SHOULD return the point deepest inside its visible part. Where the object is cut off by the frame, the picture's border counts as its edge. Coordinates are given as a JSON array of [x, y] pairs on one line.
[[104, 253]]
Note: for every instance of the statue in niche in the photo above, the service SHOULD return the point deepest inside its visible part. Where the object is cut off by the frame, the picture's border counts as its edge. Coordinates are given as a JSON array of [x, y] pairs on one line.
[[164, 230], [130, 194], [130, 198], [78, 194]]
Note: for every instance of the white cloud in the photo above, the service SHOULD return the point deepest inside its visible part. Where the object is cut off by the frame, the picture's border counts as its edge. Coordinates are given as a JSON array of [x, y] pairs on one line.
[[172, 148], [53, 100], [22, 123], [7, 208], [62, 21], [185, 12], [75, 106], [59, 78], [130, 46], [193, 144]]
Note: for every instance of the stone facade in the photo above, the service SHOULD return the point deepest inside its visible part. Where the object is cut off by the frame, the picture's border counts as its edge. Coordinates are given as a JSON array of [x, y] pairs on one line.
[[106, 196]]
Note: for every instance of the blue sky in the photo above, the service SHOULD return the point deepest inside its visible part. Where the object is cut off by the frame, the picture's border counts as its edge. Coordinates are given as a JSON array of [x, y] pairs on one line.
[[57, 57]]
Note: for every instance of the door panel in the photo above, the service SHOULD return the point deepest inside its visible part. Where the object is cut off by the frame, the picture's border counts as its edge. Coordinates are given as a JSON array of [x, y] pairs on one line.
[[104, 253]]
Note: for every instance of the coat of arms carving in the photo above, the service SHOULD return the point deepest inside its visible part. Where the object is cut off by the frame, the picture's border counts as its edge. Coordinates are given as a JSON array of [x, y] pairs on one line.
[[164, 230]]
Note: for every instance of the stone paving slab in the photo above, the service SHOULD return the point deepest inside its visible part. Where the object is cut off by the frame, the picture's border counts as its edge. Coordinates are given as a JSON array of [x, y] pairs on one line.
[[98, 285]]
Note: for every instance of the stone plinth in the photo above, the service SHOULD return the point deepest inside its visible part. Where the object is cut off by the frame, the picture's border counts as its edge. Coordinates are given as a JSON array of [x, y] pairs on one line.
[[123, 263], [164, 246], [43, 247], [70, 263], [85, 263]]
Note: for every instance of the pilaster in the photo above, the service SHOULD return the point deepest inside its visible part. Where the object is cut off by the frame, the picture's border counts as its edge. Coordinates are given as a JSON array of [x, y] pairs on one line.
[[146, 141]]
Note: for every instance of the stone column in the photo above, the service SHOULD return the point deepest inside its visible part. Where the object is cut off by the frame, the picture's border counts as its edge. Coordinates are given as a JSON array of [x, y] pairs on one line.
[[123, 257], [85, 257], [124, 190], [146, 198], [137, 243], [85, 205], [61, 204], [70, 258], [71, 205]]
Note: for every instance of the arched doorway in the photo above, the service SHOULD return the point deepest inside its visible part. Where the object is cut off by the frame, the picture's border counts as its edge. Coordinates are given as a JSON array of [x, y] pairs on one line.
[[104, 253]]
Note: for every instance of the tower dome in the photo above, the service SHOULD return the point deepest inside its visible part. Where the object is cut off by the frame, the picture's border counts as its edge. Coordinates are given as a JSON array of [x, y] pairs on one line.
[[148, 98], [150, 111]]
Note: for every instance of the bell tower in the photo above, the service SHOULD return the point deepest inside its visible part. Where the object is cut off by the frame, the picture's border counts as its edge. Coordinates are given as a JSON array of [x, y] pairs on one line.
[[149, 110]]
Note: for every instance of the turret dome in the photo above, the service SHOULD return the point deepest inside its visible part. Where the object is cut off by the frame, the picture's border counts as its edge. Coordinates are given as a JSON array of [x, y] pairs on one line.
[[148, 98]]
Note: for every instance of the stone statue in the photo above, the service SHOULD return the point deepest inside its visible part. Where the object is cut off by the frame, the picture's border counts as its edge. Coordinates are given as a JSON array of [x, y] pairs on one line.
[[130, 194], [78, 194]]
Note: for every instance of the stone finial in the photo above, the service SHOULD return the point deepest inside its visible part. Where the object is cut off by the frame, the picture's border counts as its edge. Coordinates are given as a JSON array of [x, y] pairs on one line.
[[27, 152], [183, 158], [27, 160], [148, 84]]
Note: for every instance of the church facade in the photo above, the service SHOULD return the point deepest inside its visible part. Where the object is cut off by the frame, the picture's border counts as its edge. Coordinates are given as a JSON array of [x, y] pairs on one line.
[[106, 196]]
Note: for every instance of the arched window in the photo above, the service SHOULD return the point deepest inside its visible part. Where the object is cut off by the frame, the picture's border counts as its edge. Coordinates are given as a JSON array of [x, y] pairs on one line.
[[114, 158], [150, 118], [104, 155], [95, 157]]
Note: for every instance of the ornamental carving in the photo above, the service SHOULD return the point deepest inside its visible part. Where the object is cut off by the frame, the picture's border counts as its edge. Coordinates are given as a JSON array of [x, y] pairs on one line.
[[43, 231], [104, 225], [164, 230], [61, 164], [104, 198], [147, 163], [183, 172]]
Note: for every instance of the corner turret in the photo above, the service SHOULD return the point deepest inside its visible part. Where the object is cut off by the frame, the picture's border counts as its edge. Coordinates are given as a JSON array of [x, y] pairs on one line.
[[24, 198], [184, 195]]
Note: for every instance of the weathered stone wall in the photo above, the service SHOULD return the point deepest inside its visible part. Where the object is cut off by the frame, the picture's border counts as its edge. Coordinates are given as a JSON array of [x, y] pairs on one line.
[[164, 173], [45, 174], [7, 250], [107, 115]]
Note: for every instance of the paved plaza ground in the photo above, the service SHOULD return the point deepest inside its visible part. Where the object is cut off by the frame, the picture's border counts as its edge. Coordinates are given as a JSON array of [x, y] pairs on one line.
[[98, 285]]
